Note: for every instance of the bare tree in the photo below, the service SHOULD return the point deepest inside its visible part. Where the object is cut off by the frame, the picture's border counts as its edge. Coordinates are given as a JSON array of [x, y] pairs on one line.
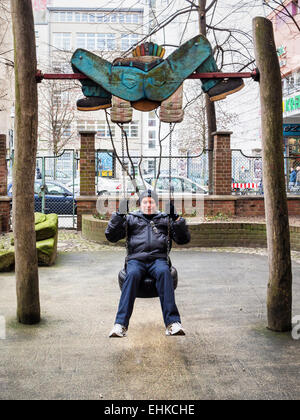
[[283, 10], [57, 113], [6, 52], [195, 124]]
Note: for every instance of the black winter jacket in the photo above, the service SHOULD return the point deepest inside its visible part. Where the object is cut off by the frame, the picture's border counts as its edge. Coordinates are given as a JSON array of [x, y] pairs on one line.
[[146, 242]]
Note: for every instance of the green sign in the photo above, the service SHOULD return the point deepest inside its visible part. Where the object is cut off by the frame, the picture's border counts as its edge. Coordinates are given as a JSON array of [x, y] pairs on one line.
[[291, 104]]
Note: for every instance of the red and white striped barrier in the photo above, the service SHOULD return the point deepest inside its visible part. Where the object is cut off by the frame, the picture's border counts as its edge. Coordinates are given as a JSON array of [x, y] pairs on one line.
[[243, 185]]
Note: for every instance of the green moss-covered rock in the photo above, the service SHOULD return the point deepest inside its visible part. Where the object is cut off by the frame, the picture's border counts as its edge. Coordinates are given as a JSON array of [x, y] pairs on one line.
[[47, 251], [48, 228], [39, 218], [7, 260]]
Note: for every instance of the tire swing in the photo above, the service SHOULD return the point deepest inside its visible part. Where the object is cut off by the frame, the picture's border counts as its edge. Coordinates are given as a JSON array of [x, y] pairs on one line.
[[147, 287]]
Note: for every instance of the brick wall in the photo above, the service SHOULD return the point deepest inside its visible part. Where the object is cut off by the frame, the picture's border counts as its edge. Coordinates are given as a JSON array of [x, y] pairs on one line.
[[240, 206], [4, 200], [214, 206], [249, 235], [5, 212], [3, 166], [85, 205]]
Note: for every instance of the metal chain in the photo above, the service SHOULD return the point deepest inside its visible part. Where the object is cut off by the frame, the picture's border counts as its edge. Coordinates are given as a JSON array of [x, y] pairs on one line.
[[123, 179], [170, 177], [123, 159]]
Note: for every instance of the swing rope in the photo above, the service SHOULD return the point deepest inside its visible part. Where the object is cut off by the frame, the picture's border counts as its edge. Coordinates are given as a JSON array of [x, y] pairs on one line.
[[147, 286], [170, 191]]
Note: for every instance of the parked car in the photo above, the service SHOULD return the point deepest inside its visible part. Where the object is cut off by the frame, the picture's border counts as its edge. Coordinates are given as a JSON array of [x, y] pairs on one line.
[[179, 185], [58, 198], [130, 187], [109, 186], [60, 176]]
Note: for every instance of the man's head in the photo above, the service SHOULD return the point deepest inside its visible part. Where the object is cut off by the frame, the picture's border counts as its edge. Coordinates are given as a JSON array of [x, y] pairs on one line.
[[148, 202]]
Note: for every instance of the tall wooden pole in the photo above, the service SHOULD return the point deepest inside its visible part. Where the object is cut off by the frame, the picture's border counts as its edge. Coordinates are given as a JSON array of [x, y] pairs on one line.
[[209, 105], [279, 297], [26, 120]]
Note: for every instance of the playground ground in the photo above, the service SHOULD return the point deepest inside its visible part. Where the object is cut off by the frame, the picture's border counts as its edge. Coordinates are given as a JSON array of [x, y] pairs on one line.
[[227, 353]]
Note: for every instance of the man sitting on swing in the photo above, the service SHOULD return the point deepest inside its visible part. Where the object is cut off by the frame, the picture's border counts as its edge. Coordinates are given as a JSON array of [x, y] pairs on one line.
[[147, 231]]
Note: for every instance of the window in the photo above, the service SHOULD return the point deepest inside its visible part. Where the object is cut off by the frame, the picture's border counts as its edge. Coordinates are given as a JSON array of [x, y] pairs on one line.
[[188, 186], [152, 144], [175, 183], [61, 67], [151, 123], [80, 40], [57, 98], [62, 40], [96, 42], [62, 17], [106, 42], [54, 189], [131, 129], [113, 18], [90, 42], [37, 187], [84, 17], [92, 17], [151, 166], [128, 40], [66, 131], [152, 139], [99, 126], [152, 119], [291, 9]]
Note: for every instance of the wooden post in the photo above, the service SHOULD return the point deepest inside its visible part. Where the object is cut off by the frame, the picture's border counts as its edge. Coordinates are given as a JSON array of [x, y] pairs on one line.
[[279, 298], [26, 120]]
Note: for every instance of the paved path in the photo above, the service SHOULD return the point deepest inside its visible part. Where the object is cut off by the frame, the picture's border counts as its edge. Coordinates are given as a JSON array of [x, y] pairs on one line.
[[227, 353]]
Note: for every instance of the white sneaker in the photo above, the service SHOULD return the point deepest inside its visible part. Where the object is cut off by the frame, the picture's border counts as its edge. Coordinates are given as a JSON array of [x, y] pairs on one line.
[[118, 331], [175, 329]]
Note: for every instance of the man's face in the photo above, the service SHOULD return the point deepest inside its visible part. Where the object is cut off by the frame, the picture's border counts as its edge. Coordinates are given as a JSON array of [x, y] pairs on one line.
[[148, 205]]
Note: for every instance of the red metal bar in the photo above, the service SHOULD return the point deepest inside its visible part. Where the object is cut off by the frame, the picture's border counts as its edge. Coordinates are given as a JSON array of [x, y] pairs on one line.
[[79, 76], [222, 75]]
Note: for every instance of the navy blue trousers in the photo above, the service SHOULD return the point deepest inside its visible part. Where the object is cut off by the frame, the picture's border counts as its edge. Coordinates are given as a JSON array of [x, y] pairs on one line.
[[159, 270]]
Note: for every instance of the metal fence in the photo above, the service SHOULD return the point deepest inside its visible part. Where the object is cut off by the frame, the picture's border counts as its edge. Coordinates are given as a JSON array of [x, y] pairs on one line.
[[55, 186], [57, 182], [247, 176], [188, 173]]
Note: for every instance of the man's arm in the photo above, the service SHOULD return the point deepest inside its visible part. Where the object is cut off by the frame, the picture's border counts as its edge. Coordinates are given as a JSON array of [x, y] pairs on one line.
[[116, 228], [180, 232]]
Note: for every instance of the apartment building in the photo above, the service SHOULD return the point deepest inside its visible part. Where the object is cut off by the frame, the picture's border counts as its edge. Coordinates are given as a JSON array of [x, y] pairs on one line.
[[6, 75], [286, 24], [63, 26]]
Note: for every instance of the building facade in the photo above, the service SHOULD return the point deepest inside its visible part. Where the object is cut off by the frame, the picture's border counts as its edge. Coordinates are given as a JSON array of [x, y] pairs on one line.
[[286, 24], [63, 26], [6, 75]]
